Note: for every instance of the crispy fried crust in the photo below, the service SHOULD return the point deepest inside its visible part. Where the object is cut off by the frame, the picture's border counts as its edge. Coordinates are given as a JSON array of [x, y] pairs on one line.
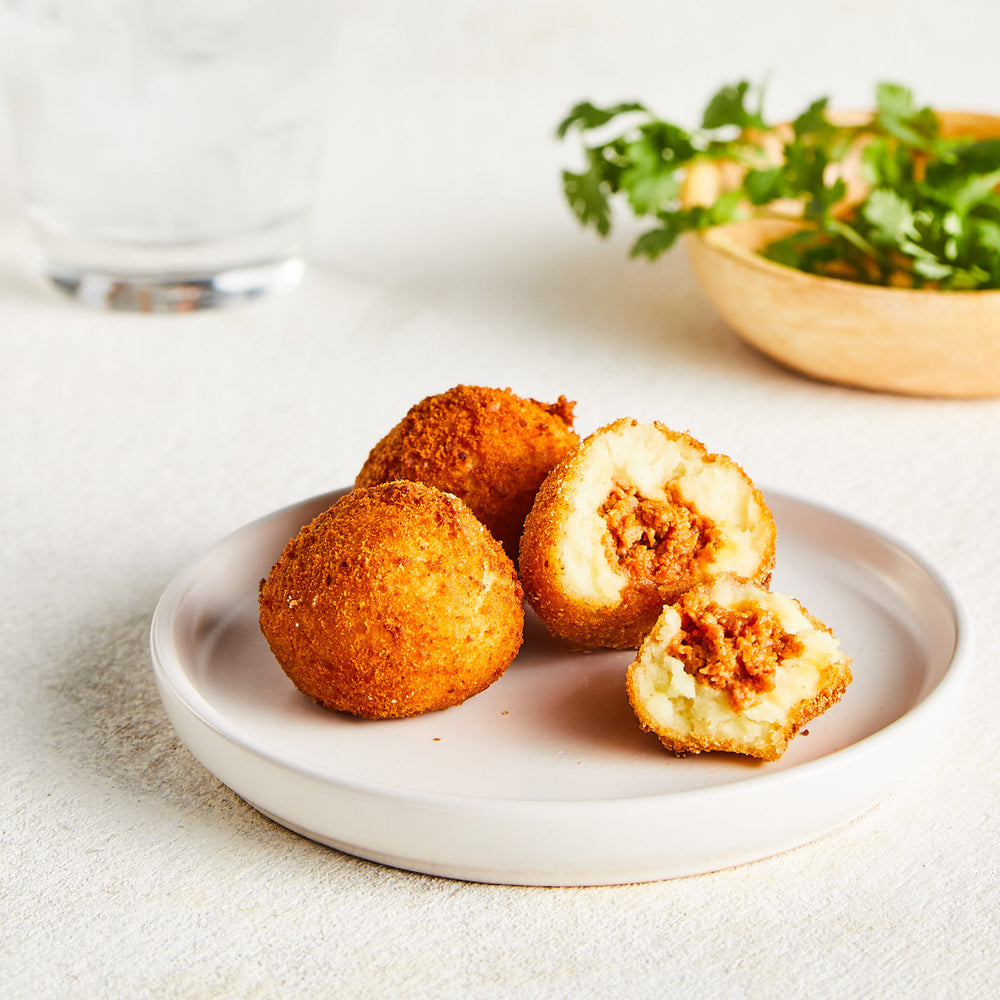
[[488, 446], [824, 676], [394, 601], [556, 527]]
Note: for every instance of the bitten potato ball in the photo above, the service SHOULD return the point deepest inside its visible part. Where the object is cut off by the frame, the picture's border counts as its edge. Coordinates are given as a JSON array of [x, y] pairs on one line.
[[734, 667], [394, 601], [635, 516], [489, 447]]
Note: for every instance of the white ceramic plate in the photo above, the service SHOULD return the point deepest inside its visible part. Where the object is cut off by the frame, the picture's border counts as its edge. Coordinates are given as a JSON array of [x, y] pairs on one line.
[[546, 778]]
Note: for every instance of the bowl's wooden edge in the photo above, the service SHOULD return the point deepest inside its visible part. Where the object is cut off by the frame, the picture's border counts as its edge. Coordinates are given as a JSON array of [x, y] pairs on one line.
[[719, 240]]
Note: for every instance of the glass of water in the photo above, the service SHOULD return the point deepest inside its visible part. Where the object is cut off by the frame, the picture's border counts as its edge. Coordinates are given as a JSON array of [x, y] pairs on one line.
[[167, 149]]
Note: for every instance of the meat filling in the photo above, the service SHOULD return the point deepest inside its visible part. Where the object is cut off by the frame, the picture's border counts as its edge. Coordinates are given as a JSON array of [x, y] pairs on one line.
[[657, 541], [734, 650]]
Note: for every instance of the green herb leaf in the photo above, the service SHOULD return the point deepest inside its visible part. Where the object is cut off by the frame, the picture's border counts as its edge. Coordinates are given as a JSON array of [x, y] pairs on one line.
[[813, 120], [729, 107], [588, 199], [654, 242], [585, 116], [766, 185], [899, 117], [894, 100], [890, 215], [651, 181], [885, 163]]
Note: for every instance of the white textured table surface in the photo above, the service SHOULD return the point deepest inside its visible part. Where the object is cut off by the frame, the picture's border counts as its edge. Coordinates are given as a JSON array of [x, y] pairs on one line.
[[444, 255]]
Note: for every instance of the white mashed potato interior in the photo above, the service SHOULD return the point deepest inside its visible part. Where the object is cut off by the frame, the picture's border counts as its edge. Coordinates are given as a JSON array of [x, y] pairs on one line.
[[643, 457], [678, 706]]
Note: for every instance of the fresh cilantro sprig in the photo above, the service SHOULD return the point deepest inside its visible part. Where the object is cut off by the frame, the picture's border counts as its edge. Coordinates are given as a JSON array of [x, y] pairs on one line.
[[931, 215]]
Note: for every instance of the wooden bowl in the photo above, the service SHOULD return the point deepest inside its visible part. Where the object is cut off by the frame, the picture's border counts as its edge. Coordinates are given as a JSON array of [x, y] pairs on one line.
[[915, 341]]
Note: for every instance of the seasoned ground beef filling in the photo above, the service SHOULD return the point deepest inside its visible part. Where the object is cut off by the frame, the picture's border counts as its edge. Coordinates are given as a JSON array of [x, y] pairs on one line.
[[731, 649], [660, 541]]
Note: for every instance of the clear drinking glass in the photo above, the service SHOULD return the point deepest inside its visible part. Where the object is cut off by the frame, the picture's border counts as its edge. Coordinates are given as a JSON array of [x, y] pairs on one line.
[[167, 149]]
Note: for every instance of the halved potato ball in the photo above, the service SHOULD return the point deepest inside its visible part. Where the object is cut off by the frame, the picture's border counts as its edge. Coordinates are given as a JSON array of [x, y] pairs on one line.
[[734, 667], [394, 601], [629, 521], [488, 446]]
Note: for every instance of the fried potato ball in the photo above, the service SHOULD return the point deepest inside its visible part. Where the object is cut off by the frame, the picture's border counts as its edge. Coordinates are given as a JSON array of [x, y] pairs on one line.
[[489, 447], [734, 667], [394, 601], [635, 516]]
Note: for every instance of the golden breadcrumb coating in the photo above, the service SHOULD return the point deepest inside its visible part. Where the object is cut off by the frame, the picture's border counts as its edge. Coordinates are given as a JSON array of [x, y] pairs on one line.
[[394, 601], [734, 667], [489, 447], [631, 519]]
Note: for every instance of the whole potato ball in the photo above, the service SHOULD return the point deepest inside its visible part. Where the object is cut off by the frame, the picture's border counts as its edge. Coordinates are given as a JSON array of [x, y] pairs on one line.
[[394, 601]]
